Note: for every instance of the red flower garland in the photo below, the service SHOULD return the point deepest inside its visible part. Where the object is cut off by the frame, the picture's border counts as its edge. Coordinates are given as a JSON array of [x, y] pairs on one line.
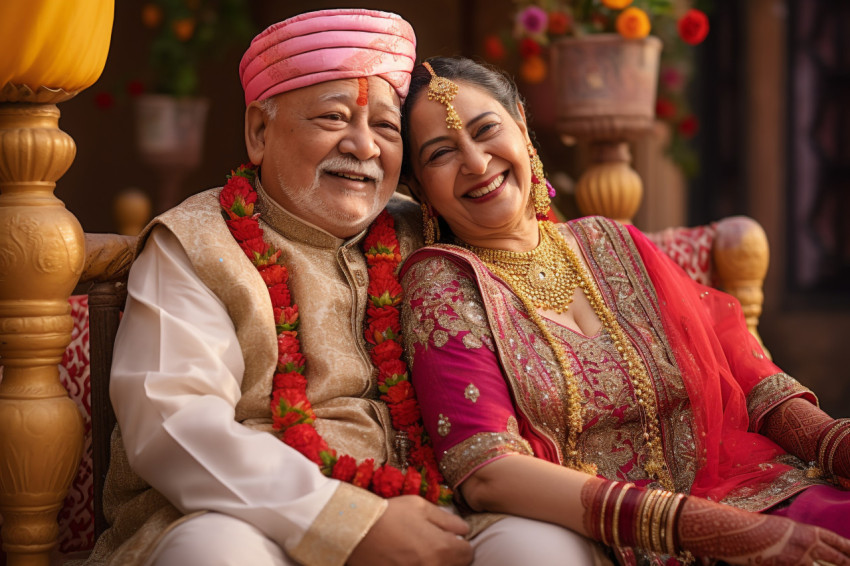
[[292, 412]]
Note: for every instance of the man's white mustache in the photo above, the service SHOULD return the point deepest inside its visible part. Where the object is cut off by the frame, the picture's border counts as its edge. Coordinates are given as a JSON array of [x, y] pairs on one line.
[[341, 163]]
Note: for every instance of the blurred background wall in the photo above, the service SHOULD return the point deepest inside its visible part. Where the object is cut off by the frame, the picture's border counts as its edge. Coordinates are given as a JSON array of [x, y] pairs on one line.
[[771, 99]]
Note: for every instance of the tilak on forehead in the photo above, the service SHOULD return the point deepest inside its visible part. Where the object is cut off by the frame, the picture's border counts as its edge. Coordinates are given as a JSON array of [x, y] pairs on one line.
[[362, 91], [329, 45], [444, 91]]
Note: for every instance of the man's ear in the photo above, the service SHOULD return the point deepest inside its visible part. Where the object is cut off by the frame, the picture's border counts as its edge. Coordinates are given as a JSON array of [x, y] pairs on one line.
[[255, 132]]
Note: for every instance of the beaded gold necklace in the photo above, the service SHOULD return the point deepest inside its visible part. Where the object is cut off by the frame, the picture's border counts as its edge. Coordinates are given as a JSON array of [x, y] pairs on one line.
[[507, 266], [543, 274]]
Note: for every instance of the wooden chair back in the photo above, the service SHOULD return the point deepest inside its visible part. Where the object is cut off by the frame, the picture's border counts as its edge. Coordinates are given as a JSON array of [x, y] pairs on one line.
[[104, 280]]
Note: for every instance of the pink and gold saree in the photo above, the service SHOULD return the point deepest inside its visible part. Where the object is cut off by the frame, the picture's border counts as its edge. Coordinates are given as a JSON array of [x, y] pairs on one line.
[[489, 384]]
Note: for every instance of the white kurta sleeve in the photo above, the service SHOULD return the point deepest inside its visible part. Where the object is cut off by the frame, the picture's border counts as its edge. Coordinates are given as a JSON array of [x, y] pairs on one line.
[[175, 384]]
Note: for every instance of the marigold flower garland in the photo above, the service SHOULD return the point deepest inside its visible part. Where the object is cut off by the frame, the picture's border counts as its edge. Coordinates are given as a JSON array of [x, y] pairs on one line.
[[292, 412]]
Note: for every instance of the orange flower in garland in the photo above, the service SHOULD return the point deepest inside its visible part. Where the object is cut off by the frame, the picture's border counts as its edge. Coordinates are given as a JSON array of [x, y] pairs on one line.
[[292, 412]]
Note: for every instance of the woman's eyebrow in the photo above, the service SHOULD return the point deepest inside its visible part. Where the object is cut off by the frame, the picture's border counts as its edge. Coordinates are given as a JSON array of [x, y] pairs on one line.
[[443, 138]]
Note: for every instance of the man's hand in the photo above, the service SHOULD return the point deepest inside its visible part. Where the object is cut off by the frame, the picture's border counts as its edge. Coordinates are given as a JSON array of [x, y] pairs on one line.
[[413, 532]]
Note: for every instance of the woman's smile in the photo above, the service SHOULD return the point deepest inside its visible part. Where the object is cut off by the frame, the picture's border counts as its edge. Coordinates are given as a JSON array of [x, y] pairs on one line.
[[487, 190]]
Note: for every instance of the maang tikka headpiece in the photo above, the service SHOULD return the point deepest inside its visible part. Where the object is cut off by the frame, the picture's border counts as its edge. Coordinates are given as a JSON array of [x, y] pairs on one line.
[[444, 91]]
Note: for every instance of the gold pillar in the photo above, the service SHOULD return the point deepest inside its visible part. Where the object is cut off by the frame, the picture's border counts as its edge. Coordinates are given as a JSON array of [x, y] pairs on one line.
[[41, 258], [52, 49]]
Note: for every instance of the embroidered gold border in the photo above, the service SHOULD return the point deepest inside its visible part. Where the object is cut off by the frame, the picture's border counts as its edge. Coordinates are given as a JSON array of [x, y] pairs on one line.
[[788, 483], [341, 525], [463, 458], [611, 252], [770, 392]]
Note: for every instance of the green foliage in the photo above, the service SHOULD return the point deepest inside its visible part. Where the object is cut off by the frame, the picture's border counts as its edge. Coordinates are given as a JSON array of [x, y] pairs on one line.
[[189, 31]]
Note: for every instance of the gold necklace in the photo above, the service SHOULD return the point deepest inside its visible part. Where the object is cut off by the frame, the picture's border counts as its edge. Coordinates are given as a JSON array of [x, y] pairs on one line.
[[655, 465], [542, 274]]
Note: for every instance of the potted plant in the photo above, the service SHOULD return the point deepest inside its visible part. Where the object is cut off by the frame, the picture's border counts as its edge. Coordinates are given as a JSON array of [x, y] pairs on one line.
[[170, 118], [603, 66]]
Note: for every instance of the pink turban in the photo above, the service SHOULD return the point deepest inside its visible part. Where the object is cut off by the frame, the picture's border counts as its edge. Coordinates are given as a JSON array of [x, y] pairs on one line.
[[328, 45]]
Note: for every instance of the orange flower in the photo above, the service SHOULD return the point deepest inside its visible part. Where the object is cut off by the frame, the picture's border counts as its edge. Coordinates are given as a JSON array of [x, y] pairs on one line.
[[616, 4], [633, 23], [533, 70], [559, 23], [151, 15], [184, 28]]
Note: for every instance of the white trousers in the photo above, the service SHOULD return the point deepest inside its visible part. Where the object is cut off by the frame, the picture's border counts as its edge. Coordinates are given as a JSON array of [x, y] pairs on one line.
[[213, 539]]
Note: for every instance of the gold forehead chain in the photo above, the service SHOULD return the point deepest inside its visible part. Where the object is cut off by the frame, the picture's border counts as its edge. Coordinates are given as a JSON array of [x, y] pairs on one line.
[[444, 91]]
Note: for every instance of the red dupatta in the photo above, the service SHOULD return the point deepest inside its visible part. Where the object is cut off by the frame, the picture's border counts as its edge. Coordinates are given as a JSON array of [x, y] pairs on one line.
[[720, 363]]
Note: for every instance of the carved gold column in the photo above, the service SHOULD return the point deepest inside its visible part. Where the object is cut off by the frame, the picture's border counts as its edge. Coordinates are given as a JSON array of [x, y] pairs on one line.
[[51, 49]]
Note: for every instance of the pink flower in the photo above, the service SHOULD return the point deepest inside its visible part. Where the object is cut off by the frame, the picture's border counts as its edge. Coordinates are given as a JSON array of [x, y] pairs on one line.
[[672, 79], [534, 19]]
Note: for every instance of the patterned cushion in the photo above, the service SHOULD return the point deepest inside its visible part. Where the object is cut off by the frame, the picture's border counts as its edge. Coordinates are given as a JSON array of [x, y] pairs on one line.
[[76, 519], [690, 248]]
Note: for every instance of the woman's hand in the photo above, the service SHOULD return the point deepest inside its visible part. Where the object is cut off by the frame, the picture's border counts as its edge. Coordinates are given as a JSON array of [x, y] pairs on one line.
[[739, 537]]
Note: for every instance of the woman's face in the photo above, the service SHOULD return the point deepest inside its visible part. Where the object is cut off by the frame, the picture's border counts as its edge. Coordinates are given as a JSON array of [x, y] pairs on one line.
[[477, 178]]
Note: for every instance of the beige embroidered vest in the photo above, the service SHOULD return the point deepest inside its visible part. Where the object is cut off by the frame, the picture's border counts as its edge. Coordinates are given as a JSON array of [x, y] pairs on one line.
[[328, 281]]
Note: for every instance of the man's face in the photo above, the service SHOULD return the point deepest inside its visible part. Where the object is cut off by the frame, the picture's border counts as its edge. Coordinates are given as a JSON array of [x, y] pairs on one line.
[[332, 153]]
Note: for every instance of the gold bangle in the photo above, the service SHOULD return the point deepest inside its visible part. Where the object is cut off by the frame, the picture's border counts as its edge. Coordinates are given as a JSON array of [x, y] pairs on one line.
[[839, 437], [665, 520], [671, 536], [645, 518], [615, 534], [833, 430], [656, 521]]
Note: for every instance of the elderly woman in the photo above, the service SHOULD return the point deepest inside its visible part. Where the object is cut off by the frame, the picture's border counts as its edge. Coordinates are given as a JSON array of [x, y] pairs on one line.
[[573, 374]]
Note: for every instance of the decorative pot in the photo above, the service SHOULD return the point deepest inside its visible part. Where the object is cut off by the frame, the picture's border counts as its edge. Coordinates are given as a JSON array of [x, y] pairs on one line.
[[605, 85], [170, 138], [605, 89]]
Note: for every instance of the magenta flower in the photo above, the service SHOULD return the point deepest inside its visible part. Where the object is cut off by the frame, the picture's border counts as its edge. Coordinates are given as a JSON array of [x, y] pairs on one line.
[[672, 79], [534, 19]]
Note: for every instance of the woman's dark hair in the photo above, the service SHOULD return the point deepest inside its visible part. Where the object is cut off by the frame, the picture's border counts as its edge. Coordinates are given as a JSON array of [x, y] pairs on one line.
[[460, 70]]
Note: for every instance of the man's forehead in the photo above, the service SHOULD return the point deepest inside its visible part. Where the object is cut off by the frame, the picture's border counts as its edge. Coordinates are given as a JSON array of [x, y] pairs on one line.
[[350, 90]]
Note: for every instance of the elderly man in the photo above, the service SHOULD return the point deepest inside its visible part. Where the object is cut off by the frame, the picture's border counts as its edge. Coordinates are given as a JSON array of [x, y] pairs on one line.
[[198, 354]]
